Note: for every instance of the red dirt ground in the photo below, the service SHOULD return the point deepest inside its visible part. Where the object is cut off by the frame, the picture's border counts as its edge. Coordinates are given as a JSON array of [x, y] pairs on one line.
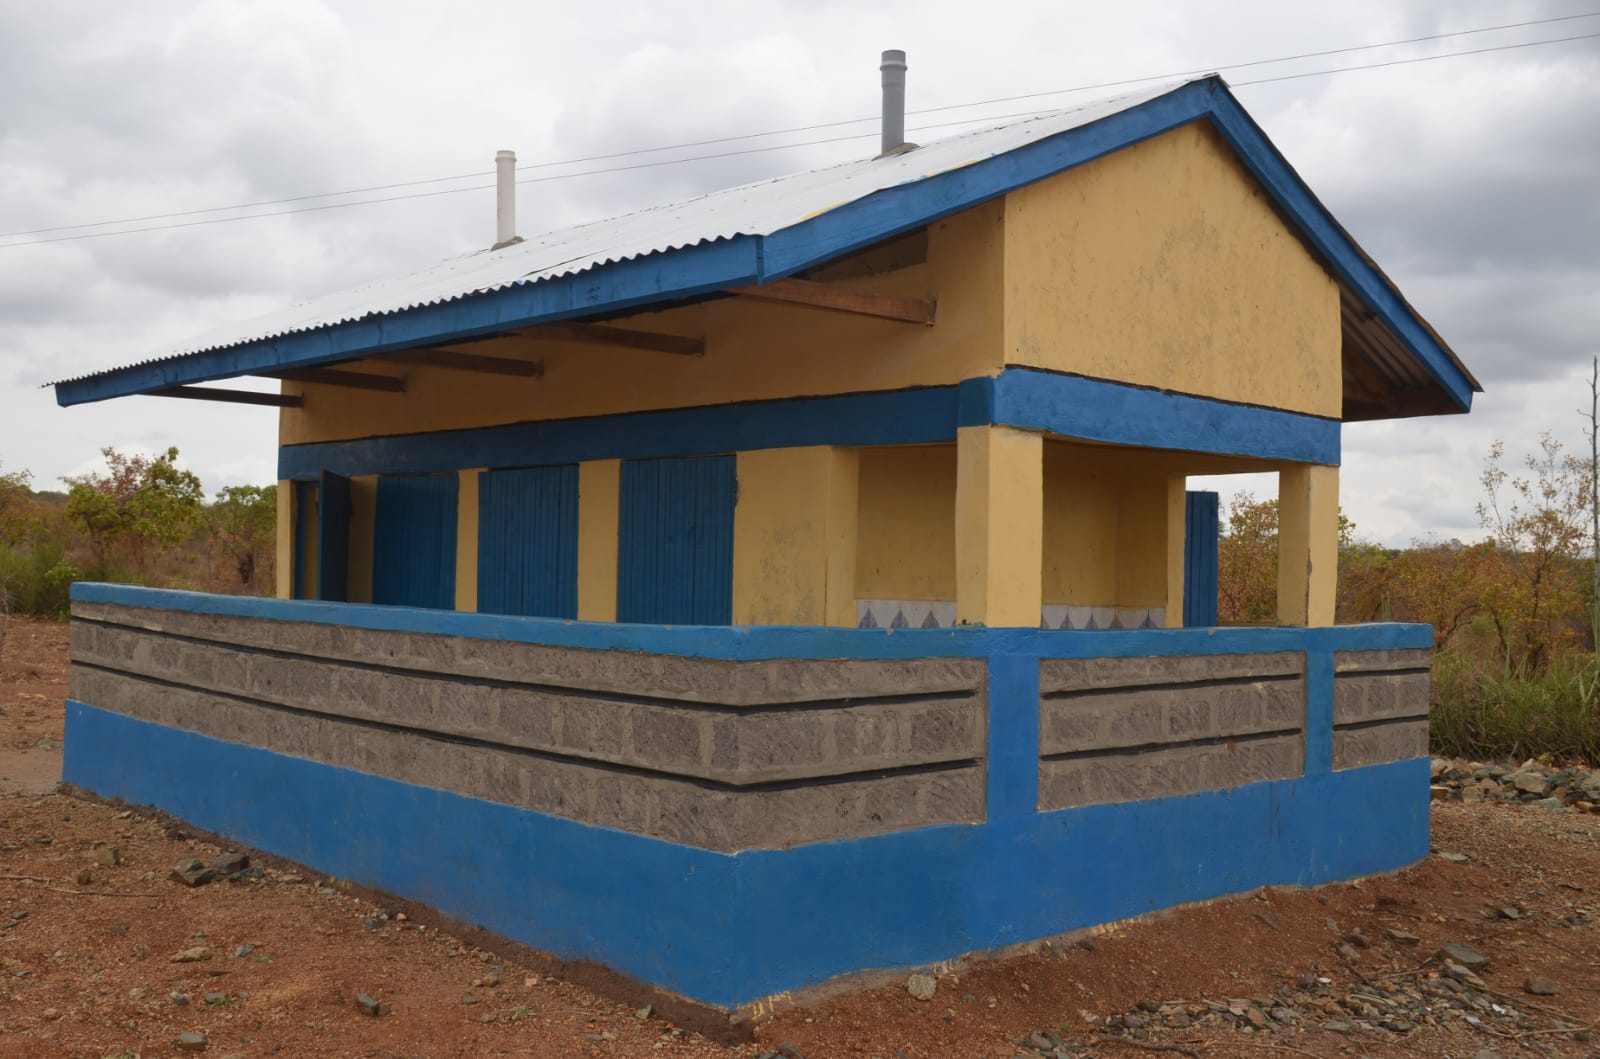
[[88, 971]]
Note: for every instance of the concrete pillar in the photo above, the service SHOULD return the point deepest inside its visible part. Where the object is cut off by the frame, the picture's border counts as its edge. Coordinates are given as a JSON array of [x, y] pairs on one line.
[[999, 526], [467, 541], [284, 568], [1308, 543], [599, 496], [1177, 528]]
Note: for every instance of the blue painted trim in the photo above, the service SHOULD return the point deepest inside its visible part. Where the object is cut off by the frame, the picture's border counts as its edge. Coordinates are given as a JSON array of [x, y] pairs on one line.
[[1096, 410], [692, 270], [752, 643], [896, 417], [1319, 711], [1012, 763], [717, 266], [731, 928]]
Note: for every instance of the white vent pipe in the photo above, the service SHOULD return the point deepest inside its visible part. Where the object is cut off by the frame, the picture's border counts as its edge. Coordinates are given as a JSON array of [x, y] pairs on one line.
[[505, 206]]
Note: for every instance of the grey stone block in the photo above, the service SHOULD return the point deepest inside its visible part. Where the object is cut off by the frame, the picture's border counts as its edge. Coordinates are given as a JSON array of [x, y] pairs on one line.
[[1379, 695], [670, 740], [1166, 772], [1138, 716], [1379, 661], [1087, 674], [1399, 740]]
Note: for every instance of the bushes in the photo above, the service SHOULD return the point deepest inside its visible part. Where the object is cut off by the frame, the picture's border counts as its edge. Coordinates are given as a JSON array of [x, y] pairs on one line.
[[1486, 713], [36, 579]]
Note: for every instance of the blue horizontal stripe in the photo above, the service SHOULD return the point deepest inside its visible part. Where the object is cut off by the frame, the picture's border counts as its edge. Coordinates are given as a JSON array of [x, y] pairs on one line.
[[728, 929], [895, 417], [751, 643], [1096, 410]]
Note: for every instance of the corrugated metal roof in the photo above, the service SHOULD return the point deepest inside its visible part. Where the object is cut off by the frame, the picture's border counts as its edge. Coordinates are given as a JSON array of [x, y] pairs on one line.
[[757, 209]]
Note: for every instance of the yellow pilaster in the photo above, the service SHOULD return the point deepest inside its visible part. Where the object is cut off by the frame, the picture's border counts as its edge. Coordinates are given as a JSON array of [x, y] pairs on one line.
[[999, 526], [467, 541], [363, 523], [1308, 543], [599, 493], [1177, 514], [284, 586]]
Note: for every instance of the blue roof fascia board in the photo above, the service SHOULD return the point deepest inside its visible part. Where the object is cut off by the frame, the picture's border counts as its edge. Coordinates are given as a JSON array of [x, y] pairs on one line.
[[894, 210], [1333, 244], [693, 270]]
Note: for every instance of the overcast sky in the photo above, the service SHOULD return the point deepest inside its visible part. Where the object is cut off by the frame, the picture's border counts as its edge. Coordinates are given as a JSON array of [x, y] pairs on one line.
[[1473, 181]]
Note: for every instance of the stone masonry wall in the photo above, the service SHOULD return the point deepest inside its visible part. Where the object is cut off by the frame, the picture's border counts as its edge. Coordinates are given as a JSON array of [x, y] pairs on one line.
[[721, 755], [1129, 729], [1380, 706]]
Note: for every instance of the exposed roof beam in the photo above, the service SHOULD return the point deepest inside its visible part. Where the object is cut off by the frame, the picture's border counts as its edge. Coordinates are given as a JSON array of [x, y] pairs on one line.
[[839, 299], [443, 357], [356, 380], [603, 335], [208, 393]]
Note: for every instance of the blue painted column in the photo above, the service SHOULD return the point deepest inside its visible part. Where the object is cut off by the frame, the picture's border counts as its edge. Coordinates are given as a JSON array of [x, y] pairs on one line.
[[1319, 710], [1012, 769]]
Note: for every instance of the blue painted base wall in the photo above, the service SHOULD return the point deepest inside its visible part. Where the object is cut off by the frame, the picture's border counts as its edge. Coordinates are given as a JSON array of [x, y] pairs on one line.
[[727, 929]]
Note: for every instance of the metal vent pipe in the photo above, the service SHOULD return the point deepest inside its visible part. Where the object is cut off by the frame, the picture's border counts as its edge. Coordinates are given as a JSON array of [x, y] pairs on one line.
[[894, 100], [505, 206]]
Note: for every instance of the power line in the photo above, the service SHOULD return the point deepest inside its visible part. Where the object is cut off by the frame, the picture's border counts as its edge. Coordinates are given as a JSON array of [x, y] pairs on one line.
[[812, 128], [764, 149]]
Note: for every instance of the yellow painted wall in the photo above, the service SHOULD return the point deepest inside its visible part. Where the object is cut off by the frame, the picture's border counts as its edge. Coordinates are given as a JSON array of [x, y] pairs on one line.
[[753, 351], [786, 532], [999, 526], [905, 523], [1165, 265], [1080, 525], [1113, 523], [363, 518], [599, 495]]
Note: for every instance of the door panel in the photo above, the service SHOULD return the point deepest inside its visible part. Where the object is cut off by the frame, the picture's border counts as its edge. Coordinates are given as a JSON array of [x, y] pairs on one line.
[[528, 541], [675, 546]]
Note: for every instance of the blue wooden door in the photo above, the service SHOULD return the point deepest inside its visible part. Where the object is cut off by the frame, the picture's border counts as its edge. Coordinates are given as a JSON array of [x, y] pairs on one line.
[[675, 541], [1202, 525], [306, 538], [528, 541], [414, 541], [333, 538]]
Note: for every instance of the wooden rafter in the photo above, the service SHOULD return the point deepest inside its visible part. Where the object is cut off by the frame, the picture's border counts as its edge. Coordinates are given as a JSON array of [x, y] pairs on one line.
[[839, 299], [208, 393], [1363, 383], [356, 380], [626, 338], [443, 357]]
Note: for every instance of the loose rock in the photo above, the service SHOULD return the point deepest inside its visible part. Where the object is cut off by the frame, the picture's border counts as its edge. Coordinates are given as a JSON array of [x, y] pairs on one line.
[[368, 1005], [194, 955], [921, 986], [109, 856], [1540, 986], [192, 1042], [1463, 954]]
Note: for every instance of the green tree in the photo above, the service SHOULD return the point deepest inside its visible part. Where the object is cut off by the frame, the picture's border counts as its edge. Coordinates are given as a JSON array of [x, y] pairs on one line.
[[16, 503], [242, 523], [138, 509], [1539, 521]]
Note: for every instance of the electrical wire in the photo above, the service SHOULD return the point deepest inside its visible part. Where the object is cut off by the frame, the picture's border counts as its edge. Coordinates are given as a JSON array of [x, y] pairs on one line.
[[767, 148]]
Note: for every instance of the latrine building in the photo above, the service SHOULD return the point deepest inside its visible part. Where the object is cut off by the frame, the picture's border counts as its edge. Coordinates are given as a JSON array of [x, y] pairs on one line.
[[679, 591]]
